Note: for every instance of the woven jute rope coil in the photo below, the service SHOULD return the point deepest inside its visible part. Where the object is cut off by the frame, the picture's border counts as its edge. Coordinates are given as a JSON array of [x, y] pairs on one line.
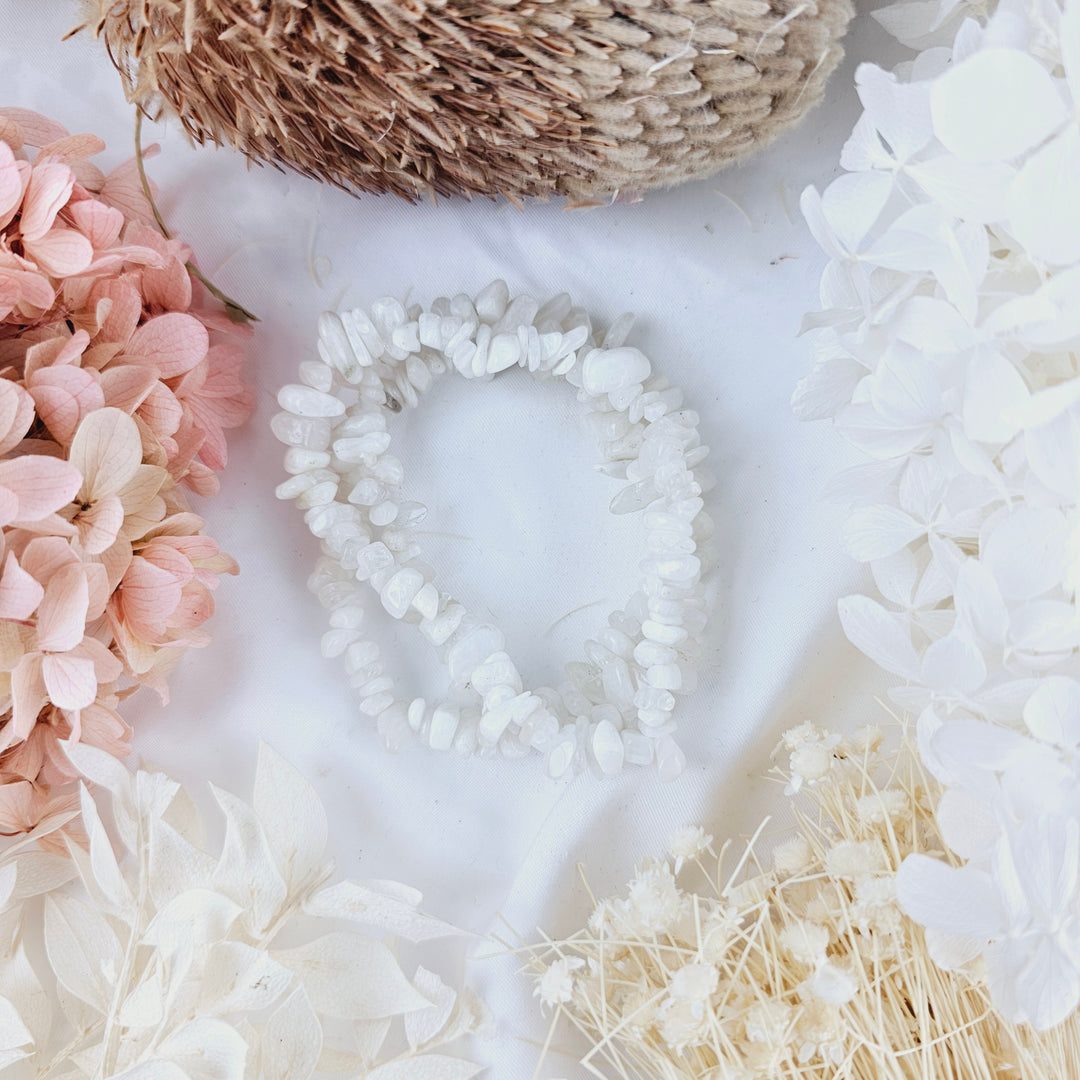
[[581, 98]]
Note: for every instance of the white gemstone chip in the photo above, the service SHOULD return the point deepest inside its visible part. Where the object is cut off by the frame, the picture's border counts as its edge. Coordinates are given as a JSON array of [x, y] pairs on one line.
[[604, 371]]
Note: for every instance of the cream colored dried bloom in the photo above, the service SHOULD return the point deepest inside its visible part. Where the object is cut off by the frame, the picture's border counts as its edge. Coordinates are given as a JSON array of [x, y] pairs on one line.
[[882, 806], [792, 856], [683, 1024], [639, 1006], [752, 892], [556, 985], [806, 942], [694, 982], [803, 735], [863, 742], [832, 985], [854, 859], [875, 909], [812, 755], [718, 931], [769, 1022], [819, 1035], [828, 907], [693, 913], [654, 900], [816, 968], [687, 844], [602, 920]]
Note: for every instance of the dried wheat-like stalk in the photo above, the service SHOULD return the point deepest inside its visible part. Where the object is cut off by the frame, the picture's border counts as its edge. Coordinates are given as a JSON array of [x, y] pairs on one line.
[[583, 98], [797, 966]]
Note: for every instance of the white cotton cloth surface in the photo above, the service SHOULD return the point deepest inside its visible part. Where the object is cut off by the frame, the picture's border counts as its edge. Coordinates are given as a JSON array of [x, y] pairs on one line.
[[719, 274]]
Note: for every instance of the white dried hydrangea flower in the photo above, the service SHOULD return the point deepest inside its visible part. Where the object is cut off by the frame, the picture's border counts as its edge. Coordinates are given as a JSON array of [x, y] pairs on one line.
[[946, 351]]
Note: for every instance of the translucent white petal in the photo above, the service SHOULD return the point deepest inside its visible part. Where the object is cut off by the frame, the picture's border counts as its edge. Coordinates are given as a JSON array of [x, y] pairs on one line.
[[1025, 551], [1044, 210], [873, 532], [967, 825], [979, 603], [1053, 711], [881, 635], [995, 106], [900, 111], [852, 204], [828, 386], [992, 387], [974, 192], [954, 663], [896, 574], [952, 900], [1048, 986]]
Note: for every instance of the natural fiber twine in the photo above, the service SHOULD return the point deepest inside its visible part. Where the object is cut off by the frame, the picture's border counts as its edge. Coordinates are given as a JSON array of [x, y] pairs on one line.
[[581, 98]]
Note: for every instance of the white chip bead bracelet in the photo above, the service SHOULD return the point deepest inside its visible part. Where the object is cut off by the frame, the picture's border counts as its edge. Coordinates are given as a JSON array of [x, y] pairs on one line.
[[616, 706]]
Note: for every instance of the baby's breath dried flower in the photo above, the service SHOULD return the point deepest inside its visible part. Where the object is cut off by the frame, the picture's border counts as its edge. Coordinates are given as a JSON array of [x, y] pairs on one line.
[[882, 806], [694, 982], [832, 985], [683, 1023], [769, 1022], [854, 859], [556, 985], [875, 910], [806, 942], [808, 975], [792, 855], [654, 900], [688, 844]]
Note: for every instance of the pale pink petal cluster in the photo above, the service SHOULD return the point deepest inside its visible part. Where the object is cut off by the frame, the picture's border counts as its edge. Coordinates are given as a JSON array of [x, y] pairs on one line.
[[117, 384]]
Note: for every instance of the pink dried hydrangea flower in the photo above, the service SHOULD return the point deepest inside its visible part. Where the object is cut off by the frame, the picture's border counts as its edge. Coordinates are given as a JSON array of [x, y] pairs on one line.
[[117, 384]]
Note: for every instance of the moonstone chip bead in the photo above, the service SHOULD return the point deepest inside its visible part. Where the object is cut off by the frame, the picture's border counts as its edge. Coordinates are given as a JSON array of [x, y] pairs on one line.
[[466, 654], [444, 722], [306, 401], [398, 593], [607, 370], [617, 706], [608, 748]]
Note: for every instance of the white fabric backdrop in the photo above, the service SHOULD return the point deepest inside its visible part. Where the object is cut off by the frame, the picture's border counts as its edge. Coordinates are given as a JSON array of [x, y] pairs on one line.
[[720, 273]]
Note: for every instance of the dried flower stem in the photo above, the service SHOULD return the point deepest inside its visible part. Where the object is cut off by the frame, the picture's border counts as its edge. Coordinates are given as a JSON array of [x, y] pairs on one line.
[[236, 312]]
